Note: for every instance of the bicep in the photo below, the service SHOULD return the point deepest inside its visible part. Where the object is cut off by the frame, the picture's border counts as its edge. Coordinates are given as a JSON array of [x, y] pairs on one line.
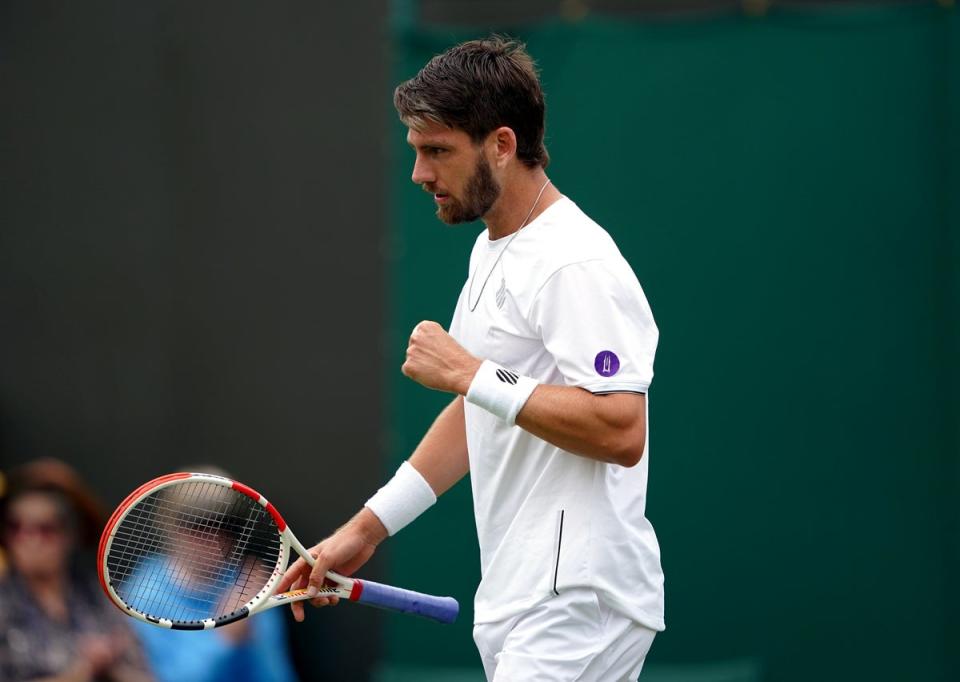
[[606, 427], [622, 410], [623, 418]]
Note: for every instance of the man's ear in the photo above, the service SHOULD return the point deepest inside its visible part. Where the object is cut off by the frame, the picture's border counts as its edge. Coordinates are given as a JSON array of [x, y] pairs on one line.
[[503, 143]]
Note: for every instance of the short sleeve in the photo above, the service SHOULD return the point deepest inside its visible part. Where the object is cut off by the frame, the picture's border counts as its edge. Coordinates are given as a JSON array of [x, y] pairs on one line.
[[595, 321]]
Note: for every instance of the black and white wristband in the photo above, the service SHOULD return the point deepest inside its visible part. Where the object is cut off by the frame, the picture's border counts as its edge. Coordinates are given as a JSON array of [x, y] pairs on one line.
[[500, 391], [405, 497]]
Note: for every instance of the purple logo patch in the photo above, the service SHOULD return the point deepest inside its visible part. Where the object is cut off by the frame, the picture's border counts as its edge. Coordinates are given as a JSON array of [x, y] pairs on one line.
[[607, 363]]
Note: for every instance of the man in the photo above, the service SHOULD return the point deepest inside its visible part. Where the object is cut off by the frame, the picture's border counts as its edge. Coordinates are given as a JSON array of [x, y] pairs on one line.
[[549, 357]]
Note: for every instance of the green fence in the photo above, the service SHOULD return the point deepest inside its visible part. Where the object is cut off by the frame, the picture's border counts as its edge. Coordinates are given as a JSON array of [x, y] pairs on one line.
[[786, 189]]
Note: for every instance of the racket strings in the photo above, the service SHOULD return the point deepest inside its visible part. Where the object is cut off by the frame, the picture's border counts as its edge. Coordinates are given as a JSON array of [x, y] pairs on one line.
[[137, 539], [252, 574], [192, 551]]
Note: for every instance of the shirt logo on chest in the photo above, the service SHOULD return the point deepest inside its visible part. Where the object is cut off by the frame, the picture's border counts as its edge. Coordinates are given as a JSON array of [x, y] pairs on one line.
[[502, 293]]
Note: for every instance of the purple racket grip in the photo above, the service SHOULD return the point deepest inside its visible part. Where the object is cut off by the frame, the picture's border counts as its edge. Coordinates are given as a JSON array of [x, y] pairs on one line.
[[441, 609]]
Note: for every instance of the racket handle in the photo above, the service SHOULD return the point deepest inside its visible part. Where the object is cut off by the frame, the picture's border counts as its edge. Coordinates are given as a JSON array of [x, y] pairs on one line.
[[441, 609]]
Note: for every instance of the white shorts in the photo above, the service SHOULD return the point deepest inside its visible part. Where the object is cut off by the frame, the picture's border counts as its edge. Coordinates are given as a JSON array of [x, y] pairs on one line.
[[573, 636]]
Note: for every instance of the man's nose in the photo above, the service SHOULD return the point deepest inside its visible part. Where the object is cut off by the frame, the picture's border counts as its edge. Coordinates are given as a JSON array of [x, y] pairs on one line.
[[422, 173]]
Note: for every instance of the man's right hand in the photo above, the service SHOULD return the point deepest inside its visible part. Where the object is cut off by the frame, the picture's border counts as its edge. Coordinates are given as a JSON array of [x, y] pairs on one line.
[[344, 552]]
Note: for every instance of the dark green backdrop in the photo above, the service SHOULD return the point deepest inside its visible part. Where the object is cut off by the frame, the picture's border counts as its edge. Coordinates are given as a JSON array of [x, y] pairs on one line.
[[786, 190]]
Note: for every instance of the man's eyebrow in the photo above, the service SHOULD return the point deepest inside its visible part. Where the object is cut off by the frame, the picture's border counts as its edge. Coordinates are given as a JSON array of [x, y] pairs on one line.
[[426, 145]]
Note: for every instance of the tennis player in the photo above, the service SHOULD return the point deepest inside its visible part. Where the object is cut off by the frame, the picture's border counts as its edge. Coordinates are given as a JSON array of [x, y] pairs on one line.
[[549, 357]]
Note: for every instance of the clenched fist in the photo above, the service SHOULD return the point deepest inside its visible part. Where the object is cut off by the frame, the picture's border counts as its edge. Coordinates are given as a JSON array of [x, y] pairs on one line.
[[437, 361]]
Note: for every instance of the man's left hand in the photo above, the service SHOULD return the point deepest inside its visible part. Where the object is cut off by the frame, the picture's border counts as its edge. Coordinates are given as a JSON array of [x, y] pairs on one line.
[[437, 361]]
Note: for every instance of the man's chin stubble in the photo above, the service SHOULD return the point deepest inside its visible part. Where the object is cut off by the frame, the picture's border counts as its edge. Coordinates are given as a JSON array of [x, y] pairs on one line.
[[451, 217]]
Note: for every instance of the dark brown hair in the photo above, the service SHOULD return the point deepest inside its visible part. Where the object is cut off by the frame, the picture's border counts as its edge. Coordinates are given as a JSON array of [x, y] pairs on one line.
[[477, 87], [57, 478]]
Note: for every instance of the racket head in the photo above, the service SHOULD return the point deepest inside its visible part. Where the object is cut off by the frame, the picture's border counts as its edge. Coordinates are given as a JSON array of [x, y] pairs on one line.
[[192, 551]]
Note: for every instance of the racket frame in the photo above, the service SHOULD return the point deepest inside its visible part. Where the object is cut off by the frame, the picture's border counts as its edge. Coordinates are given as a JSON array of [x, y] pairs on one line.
[[344, 587]]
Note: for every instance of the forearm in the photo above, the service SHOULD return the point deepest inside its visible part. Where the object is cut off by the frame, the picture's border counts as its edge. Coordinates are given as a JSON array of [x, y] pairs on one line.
[[441, 456], [609, 428], [439, 461]]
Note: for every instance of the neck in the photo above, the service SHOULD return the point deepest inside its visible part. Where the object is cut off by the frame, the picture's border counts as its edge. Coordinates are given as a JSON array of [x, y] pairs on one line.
[[519, 195], [48, 583], [49, 592]]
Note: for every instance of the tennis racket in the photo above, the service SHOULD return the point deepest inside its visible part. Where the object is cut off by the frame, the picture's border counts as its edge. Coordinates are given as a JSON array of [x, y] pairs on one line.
[[196, 551]]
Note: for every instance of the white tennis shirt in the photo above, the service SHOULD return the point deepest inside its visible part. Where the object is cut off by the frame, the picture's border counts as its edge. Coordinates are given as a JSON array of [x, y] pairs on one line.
[[561, 306]]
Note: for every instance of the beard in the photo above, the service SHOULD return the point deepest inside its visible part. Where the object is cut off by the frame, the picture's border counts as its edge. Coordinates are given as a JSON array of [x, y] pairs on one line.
[[480, 194]]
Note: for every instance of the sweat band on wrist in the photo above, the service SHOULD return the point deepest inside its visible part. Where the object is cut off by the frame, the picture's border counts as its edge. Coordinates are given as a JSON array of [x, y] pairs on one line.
[[500, 391], [405, 497]]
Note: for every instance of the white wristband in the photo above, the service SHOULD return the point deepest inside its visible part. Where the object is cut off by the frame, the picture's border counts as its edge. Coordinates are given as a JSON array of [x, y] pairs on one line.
[[405, 497], [500, 391]]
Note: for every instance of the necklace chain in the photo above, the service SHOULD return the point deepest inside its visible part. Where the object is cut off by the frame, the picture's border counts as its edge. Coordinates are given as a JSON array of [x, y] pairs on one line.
[[473, 306]]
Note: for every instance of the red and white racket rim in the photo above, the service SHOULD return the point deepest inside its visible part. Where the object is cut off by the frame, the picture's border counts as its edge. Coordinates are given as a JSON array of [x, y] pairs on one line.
[[150, 488]]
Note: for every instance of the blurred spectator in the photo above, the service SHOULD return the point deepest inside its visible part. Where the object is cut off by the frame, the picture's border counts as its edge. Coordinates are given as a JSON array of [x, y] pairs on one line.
[[55, 622], [3, 553], [250, 650]]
